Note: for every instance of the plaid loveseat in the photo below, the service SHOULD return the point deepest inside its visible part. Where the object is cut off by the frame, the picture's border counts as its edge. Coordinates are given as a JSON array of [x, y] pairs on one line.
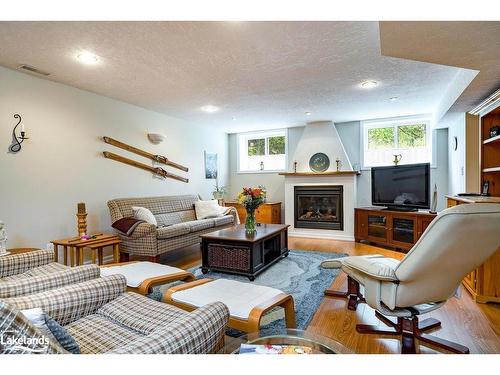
[[103, 318], [36, 271], [177, 224]]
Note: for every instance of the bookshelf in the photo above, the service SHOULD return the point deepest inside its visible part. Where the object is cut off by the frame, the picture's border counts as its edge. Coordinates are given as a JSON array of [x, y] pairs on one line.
[[490, 152]]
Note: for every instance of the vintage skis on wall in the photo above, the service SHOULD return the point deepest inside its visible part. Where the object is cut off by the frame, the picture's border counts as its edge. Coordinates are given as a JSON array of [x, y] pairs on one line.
[[158, 158], [159, 171]]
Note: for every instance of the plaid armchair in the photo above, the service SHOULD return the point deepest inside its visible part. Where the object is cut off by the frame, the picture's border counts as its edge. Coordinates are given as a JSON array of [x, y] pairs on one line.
[[36, 271], [103, 318], [177, 224]]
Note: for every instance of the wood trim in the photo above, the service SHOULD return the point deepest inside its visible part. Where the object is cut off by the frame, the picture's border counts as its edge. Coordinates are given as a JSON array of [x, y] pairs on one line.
[[167, 296], [148, 284], [283, 300], [320, 174]]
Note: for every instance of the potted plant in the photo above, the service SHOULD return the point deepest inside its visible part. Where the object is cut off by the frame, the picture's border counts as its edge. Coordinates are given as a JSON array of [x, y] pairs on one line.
[[251, 199], [219, 191]]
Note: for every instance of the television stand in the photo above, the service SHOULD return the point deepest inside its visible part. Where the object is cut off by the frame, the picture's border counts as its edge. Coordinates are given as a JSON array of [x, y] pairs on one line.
[[400, 209], [389, 227]]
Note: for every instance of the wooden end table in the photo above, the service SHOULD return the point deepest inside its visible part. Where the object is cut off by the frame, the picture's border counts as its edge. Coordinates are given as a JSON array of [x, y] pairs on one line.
[[75, 245], [231, 250]]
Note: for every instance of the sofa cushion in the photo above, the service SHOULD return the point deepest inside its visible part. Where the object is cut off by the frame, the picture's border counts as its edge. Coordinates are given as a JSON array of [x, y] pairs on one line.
[[199, 225], [97, 334], [172, 231], [142, 213], [140, 313], [157, 205], [208, 209], [224, 220], [167, 219]]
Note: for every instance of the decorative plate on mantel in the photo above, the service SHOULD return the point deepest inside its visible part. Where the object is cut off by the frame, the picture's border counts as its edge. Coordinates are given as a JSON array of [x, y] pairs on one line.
[[319, 162]]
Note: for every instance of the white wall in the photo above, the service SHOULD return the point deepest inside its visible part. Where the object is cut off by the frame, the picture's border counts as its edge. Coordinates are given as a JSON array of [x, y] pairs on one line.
[[456, 158], [349, 133], [62, 163]]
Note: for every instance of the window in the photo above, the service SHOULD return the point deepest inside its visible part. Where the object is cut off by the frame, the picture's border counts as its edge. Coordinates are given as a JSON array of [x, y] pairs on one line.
[[262, 151], [409, 137]]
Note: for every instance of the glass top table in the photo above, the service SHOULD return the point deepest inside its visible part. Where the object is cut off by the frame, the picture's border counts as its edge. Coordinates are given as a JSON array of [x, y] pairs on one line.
[[318, 344]]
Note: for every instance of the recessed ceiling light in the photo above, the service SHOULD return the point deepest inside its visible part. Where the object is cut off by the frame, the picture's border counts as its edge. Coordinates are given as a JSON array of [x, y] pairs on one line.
[[307, 113], [393, 99], [88, 58], [369, 84], [209, 108]]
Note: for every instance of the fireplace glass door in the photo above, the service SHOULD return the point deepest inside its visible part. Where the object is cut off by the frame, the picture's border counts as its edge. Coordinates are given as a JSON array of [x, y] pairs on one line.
[[319, 207]]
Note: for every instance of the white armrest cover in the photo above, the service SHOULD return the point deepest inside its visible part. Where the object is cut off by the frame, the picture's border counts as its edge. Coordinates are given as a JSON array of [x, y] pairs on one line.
[[380, 268]]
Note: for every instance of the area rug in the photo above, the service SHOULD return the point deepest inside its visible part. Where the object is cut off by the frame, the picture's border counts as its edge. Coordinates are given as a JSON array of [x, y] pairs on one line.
[[299, 274]]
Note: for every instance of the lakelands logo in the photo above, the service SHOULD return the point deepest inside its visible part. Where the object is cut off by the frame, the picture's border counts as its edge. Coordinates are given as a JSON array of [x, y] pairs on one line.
[[32, 344]]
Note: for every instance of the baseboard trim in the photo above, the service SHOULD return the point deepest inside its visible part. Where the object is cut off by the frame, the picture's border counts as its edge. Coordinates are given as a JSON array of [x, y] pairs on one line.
[[326, 236]]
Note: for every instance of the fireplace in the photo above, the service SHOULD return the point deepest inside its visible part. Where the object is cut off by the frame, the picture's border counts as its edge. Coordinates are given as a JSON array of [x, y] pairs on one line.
[[319, 207]]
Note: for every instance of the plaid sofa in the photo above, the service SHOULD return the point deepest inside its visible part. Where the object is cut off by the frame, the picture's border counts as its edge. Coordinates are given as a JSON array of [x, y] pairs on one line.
[[103, 318], [36, 271], [177, 224]]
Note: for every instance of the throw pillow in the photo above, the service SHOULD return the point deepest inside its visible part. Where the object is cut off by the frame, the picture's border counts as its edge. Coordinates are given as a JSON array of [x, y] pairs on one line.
[[143, 213], [208, 209], [51, 329], [62, 336]]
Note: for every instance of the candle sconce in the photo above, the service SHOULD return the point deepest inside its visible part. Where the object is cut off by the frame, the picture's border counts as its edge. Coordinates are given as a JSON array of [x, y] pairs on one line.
[[16, 141]]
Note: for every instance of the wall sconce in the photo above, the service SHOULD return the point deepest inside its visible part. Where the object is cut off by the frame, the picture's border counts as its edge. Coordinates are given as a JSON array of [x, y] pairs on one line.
[[16, 141], [156, 138]]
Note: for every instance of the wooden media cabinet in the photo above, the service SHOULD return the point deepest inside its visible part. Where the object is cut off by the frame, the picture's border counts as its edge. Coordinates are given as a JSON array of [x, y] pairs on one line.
[[396, 229]]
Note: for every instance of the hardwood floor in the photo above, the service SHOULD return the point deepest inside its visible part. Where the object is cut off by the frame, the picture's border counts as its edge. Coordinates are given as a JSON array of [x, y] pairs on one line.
[[474, 325]]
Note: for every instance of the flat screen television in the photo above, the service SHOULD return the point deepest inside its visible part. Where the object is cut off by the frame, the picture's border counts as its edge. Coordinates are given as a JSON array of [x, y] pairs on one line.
[[403, 187]]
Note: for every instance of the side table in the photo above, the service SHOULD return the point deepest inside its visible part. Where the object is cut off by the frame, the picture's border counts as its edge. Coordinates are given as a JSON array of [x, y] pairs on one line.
[[76, 245]]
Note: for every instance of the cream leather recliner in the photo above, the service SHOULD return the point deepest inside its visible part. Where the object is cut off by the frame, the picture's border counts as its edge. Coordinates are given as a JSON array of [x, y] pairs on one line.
[[457, 241]]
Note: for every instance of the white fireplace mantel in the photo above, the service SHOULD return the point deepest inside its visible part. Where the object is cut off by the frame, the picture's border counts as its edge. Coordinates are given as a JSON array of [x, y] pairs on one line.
[[347, 180]]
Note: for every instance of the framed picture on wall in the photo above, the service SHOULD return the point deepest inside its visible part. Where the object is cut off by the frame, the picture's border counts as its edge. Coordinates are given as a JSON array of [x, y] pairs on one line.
[[210, 165]]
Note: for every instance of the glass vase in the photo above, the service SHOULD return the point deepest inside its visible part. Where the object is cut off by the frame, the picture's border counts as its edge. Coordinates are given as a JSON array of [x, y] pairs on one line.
[[250, 224]]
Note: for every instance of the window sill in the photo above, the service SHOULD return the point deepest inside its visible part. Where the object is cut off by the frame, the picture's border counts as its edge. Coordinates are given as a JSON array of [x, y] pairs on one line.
[[390, 165], [260, 172]]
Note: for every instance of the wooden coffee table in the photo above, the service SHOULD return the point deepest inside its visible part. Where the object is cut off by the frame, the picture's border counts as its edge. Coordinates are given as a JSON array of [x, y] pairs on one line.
[[232, 251]]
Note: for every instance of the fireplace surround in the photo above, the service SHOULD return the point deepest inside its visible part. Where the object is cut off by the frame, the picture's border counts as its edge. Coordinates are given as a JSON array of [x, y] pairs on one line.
[[319, 207]]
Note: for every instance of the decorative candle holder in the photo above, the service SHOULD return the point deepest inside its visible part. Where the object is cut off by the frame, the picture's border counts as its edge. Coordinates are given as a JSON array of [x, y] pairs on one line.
[[339, 164], [17, 140], [82, 220]]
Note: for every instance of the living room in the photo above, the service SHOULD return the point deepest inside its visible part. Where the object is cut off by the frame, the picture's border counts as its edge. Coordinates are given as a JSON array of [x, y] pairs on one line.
[[233, 186]]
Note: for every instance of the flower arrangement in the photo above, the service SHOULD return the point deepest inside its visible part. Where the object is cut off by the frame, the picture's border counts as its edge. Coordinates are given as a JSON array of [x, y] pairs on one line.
[[251, 199]]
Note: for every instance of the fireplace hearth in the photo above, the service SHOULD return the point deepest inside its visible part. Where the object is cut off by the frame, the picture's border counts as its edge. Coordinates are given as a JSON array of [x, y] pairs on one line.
[[319, 207]]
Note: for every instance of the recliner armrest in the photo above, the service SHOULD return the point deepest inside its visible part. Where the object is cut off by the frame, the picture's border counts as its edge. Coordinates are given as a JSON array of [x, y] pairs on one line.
[[379, 268], [20, 263], [338, 262]]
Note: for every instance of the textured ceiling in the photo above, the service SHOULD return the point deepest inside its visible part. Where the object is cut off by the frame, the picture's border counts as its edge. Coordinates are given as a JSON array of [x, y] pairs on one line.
[[264, 74], [472, 45]]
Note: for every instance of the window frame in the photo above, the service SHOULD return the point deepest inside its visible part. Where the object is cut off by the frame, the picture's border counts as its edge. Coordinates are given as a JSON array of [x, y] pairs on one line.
[[395, 122], [257, 135]]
